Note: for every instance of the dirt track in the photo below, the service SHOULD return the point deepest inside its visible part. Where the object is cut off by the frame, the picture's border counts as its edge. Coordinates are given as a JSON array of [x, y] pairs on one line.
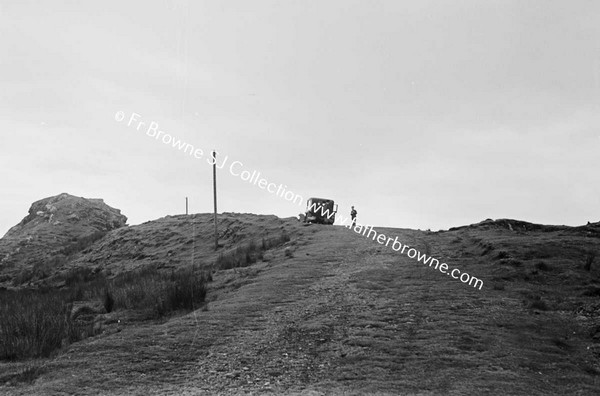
[[343, 315]]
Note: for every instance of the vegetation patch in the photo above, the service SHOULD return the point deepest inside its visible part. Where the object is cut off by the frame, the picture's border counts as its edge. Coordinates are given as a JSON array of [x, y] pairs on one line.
[[511, 262], [487, 248], [250, 253], [592, 291], [26, 375], [502, 254], [34, 323], [82, 243], [542, 266], [590, 256], [156, 292], [540, 305]]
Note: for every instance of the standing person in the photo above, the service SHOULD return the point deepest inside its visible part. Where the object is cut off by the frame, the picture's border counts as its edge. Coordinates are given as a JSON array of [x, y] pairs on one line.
[[353, 213]]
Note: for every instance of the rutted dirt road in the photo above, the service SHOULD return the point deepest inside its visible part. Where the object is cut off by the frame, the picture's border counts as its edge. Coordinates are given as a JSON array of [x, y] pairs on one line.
[[346, 315]]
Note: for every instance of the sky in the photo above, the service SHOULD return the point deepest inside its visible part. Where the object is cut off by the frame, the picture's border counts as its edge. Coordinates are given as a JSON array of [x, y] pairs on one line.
[[421, 114]]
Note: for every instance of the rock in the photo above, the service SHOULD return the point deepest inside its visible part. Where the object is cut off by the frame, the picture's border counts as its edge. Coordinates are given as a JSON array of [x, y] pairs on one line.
[[85, 308], [55, 228]]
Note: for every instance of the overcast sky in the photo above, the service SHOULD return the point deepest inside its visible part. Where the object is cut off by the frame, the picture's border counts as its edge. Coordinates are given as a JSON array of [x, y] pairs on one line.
[[422, 114]]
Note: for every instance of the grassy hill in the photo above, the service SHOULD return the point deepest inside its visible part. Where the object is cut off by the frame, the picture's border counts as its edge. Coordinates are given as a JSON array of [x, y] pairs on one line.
[[310, 309]]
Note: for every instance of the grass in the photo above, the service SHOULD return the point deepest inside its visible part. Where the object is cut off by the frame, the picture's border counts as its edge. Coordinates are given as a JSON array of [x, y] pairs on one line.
[[592, 291], [80, 275], [427, 248], [589, 260], [488, 248], [44, 268], [241, 256], [502, 254], [158, 294], [391, 332], [539, 305], [82, 243], [40, 270], [25, 376], [542, 266], [34, 323], [248, 254], [535, 301], [109, 301]]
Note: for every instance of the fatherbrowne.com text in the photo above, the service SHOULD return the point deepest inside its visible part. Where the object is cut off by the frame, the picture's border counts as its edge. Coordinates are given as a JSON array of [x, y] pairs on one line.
[[399, 247]]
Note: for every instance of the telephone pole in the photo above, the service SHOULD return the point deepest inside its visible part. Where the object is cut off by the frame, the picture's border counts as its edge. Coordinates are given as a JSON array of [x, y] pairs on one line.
[[214, 156], [186, 206]]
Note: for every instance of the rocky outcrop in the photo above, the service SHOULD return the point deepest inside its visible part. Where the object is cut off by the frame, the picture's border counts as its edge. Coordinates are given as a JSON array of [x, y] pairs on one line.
[[67, 209], [55, 228]]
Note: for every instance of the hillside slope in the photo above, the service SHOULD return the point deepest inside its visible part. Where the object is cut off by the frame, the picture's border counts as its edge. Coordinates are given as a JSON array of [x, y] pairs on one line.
[[332, 312], [65, 232], [176, 241]]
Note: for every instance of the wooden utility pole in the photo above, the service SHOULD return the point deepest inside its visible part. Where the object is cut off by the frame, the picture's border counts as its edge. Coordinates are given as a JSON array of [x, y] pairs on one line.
[[214, 156], [186, 206]]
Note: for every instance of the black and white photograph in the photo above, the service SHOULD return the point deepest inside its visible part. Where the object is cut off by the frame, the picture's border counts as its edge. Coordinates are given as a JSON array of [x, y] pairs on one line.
[[299, 197]]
